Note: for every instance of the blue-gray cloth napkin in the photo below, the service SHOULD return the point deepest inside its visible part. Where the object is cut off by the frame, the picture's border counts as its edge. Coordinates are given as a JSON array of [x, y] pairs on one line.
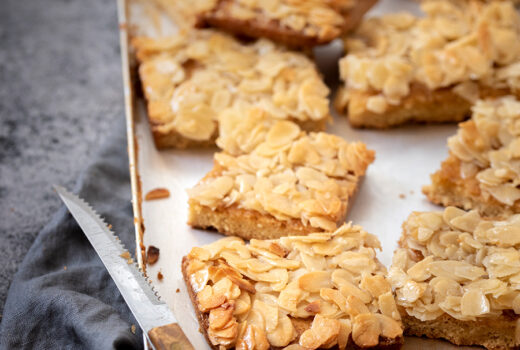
[[62, 297]]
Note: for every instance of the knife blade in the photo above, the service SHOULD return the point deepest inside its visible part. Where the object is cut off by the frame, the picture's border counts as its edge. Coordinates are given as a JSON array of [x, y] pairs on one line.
[[153, 315]]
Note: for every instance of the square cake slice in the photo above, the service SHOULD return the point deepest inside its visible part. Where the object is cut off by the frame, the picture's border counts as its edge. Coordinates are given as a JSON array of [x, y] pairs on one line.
[[293, 23], [290, 183], [456, 276], [400, 68], [320, 291], [482, 170], [188, 80]]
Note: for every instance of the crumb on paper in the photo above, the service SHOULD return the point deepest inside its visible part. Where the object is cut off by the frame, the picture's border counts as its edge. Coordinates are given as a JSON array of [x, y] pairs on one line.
[[132, 329], [152, 255], [65, 267], [160, 276], [130, 261], [109, 226], [411, 192], [158, 193], [402, 196], [177, 290]]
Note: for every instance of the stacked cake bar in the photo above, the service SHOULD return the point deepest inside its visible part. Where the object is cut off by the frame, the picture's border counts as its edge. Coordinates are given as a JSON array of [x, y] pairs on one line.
[[300, 23], [482, 171], [456, 276], [191, 79], [291, 183], [322, 290], [401, 68]]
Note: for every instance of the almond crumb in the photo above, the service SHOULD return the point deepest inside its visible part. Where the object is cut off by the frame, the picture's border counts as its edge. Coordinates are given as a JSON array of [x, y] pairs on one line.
[[160, 276], [177, 290], [152, 255], [109, 226], [158, 193], [125, 255], [65, 267], [402, 196], [132, 328], [314, 307]]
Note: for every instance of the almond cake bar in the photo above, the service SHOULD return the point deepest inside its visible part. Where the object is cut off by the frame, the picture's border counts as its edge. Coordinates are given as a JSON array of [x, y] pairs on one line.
[[290, 183], [400, 68], [482, 170], [190, 79], [297, 23], [300, 292], [456, 276]]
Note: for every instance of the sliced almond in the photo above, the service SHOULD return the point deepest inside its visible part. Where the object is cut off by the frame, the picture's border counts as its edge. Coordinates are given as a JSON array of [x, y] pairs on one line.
[[366, 329], [157, 193], [314, 281]]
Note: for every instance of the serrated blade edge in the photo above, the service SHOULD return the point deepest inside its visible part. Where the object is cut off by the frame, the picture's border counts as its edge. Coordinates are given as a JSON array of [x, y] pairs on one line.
[[140, 296]]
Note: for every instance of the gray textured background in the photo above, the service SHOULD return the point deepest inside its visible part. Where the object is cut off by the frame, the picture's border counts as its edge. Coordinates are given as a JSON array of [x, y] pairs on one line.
[[60, 90]]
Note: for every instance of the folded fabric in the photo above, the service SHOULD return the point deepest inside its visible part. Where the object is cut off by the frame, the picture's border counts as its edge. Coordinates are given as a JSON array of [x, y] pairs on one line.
[[62, 297]]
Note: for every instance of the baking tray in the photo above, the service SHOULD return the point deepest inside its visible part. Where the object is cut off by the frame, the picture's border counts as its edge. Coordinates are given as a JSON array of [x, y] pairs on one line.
[[390, 191]]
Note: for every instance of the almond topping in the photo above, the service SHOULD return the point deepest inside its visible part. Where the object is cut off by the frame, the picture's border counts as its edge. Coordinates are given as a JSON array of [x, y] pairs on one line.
[[207, 300], [314, 187], [460, 269], [454, 45], [220, 316], [197, 81], [305, 280]]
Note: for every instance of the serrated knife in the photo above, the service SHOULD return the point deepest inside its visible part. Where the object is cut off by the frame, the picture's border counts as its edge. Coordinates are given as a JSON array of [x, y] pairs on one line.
[[153, 315]]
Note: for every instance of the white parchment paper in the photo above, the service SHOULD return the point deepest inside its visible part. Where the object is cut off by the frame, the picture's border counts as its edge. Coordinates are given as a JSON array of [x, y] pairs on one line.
[[390, 191]]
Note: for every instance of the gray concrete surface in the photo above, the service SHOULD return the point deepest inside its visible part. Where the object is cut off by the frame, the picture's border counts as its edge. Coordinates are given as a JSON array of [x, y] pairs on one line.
[[60, 90]]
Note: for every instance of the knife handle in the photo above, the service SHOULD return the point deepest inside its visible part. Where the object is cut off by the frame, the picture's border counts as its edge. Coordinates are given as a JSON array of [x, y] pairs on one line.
[[169, 337]]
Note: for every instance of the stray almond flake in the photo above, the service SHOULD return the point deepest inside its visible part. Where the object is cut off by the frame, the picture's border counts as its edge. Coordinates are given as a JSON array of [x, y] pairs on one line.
[[157, 193]]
